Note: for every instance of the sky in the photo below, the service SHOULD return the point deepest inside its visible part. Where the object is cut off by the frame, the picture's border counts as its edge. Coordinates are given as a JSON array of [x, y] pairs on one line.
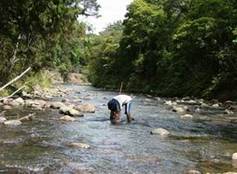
[[110, 12]]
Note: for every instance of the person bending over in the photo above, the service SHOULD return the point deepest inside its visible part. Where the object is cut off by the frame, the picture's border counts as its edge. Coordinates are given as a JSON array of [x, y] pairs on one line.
[[115, 106]]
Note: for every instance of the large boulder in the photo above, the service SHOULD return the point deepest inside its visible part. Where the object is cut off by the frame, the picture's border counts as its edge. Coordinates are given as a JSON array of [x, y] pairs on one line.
[[86, 108], [70, 111], [160, 131], [12, 123]]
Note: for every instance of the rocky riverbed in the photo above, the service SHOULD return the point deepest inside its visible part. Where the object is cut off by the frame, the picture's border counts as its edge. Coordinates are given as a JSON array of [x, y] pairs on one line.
[[66, 130]]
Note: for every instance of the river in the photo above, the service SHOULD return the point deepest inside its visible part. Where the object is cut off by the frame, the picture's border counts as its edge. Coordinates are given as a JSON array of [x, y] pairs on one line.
[[204, 143]]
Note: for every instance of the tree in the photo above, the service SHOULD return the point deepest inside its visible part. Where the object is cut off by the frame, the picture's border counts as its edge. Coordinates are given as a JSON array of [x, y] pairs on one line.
[[30, 27]]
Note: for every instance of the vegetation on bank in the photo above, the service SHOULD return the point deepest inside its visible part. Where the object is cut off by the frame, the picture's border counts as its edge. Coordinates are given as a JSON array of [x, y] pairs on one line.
[[170, 48], [164, 47], [42, 35]]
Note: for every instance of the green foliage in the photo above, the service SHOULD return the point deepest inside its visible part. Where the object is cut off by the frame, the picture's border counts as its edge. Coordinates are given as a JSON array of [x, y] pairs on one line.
[[41, 78], [103, 55], [173, 48], [41, 34]]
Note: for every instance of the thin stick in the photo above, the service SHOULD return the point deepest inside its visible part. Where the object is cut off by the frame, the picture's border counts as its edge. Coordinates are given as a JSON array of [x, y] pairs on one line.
[[15, 79], [121, 87], [13, 93]]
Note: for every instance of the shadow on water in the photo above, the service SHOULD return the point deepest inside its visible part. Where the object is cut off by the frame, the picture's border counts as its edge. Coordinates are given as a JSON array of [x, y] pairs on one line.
[[41, 146]]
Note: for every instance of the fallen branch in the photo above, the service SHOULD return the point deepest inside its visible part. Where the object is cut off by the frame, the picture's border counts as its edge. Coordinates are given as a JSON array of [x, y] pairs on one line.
[[13, 93], [15, 79], [27, 118]]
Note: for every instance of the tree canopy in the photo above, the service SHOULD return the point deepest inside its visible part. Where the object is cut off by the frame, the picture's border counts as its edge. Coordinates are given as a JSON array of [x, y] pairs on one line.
[[175, 48]]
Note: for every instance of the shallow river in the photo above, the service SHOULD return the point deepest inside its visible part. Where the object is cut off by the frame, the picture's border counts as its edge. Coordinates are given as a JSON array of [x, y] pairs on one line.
[[204, 143]]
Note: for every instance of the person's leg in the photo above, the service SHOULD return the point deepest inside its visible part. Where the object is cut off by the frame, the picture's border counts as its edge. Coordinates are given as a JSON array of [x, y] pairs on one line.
[[127, 111]]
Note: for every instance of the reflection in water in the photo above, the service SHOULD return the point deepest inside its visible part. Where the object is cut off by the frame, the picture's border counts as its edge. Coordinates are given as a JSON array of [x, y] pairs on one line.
[[205, 142]]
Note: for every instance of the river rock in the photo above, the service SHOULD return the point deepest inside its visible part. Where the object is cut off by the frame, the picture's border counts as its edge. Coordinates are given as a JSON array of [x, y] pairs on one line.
[[87, 108], [7, 101], [17, 102], [7, 107], [234, 156], [67, 118], [79, 145], [56, 105], [20, 101], [229, 112], [160, 131], [170, 103], [13, 123], [2, 119], [178, 109], [186, 116], [39, 104], [70, 111], [230, 173], [216, 105], [193, 172]]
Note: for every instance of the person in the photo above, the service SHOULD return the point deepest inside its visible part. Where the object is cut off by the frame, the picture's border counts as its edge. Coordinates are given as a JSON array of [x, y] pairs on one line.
[[115, 106]]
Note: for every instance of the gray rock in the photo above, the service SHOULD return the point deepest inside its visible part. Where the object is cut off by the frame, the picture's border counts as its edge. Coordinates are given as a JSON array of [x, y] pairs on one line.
[[7, 107], [12, 123], [20, 101], [79, 145], [193, 172], [2, 119], [7, 101], [70, 111], [234, 156], [179, 109], [216, 105], [160, 131], [56, 105], [86, 108], [39, 104], [186, 116], [67, 118]]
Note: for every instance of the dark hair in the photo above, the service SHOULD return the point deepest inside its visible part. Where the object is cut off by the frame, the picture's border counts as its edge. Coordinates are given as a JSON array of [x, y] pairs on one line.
[[113, 105]]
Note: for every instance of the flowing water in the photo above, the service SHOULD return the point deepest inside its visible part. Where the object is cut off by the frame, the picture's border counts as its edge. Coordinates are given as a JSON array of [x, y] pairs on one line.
[[205, 143]]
